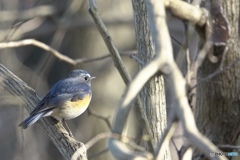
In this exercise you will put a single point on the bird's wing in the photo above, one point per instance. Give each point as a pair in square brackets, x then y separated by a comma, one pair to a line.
[50, 102]
[59, 96]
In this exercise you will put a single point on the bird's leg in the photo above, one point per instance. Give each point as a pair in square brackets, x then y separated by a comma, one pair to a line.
[67, 128]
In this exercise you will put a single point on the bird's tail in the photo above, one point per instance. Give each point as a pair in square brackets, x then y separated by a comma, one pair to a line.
[31, 120]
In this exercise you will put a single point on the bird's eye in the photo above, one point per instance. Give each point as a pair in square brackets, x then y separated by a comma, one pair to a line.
[86, 78]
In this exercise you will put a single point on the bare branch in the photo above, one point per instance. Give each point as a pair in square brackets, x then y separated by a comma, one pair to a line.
[187, 11]
[220, 70]
[108, 41]
[182, 112]
[201, 56]
[57, 54]
[166, 139]
[182, 109]
[120, 149]
[40, 45]
[122, 53]
[102, 136]
[68, 24]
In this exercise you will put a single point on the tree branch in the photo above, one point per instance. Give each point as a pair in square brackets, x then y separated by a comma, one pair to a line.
[56, 132]
[187, 11]
[101, 136]
[60, 56]
[166, 139]
[108, 41]
[179, 99]
[120, 150]
[100, 116]
[40, 45]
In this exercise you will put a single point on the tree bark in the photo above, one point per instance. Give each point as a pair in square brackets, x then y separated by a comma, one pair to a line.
[153, 94]
[217, 105]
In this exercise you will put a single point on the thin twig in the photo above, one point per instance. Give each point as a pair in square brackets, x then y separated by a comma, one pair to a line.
[40, 45]
[201, 56]
[100, 116]
[217, 72]
[188, 76]
[122, 53]
[175, 39]
[57, 54]
[135, 57]
[126, 139]
[68, 24]
[99, 137]
[176, 148]
[197, 63]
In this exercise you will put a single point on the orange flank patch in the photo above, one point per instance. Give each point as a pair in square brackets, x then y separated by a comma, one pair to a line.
[71, 109]
[82, 103]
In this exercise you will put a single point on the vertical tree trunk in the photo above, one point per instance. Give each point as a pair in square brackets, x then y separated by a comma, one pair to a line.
[153, 94]
[218, 108]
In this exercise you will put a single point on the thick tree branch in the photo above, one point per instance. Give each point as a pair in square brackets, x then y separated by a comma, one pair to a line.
[187, 11]
[56, 132]
[165, 62]
[182, 109]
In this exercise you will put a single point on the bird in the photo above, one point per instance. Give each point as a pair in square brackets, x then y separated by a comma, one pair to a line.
[67, 99]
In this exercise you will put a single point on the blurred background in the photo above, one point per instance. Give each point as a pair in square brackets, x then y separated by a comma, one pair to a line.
[67, 27]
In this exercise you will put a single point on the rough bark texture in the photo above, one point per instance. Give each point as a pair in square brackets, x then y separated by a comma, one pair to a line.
[153, 95]
[27, 96]
[217, 110]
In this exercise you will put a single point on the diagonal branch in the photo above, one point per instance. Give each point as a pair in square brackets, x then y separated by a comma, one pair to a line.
[56, 132]
[108, 41]
[122, 113]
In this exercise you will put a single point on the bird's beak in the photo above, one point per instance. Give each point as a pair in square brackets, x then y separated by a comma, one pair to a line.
[92, 78]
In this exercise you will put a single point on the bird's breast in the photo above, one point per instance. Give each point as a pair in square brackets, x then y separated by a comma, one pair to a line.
[72, 109]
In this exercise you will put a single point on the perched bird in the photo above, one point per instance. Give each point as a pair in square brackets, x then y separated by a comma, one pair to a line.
[67, 99]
